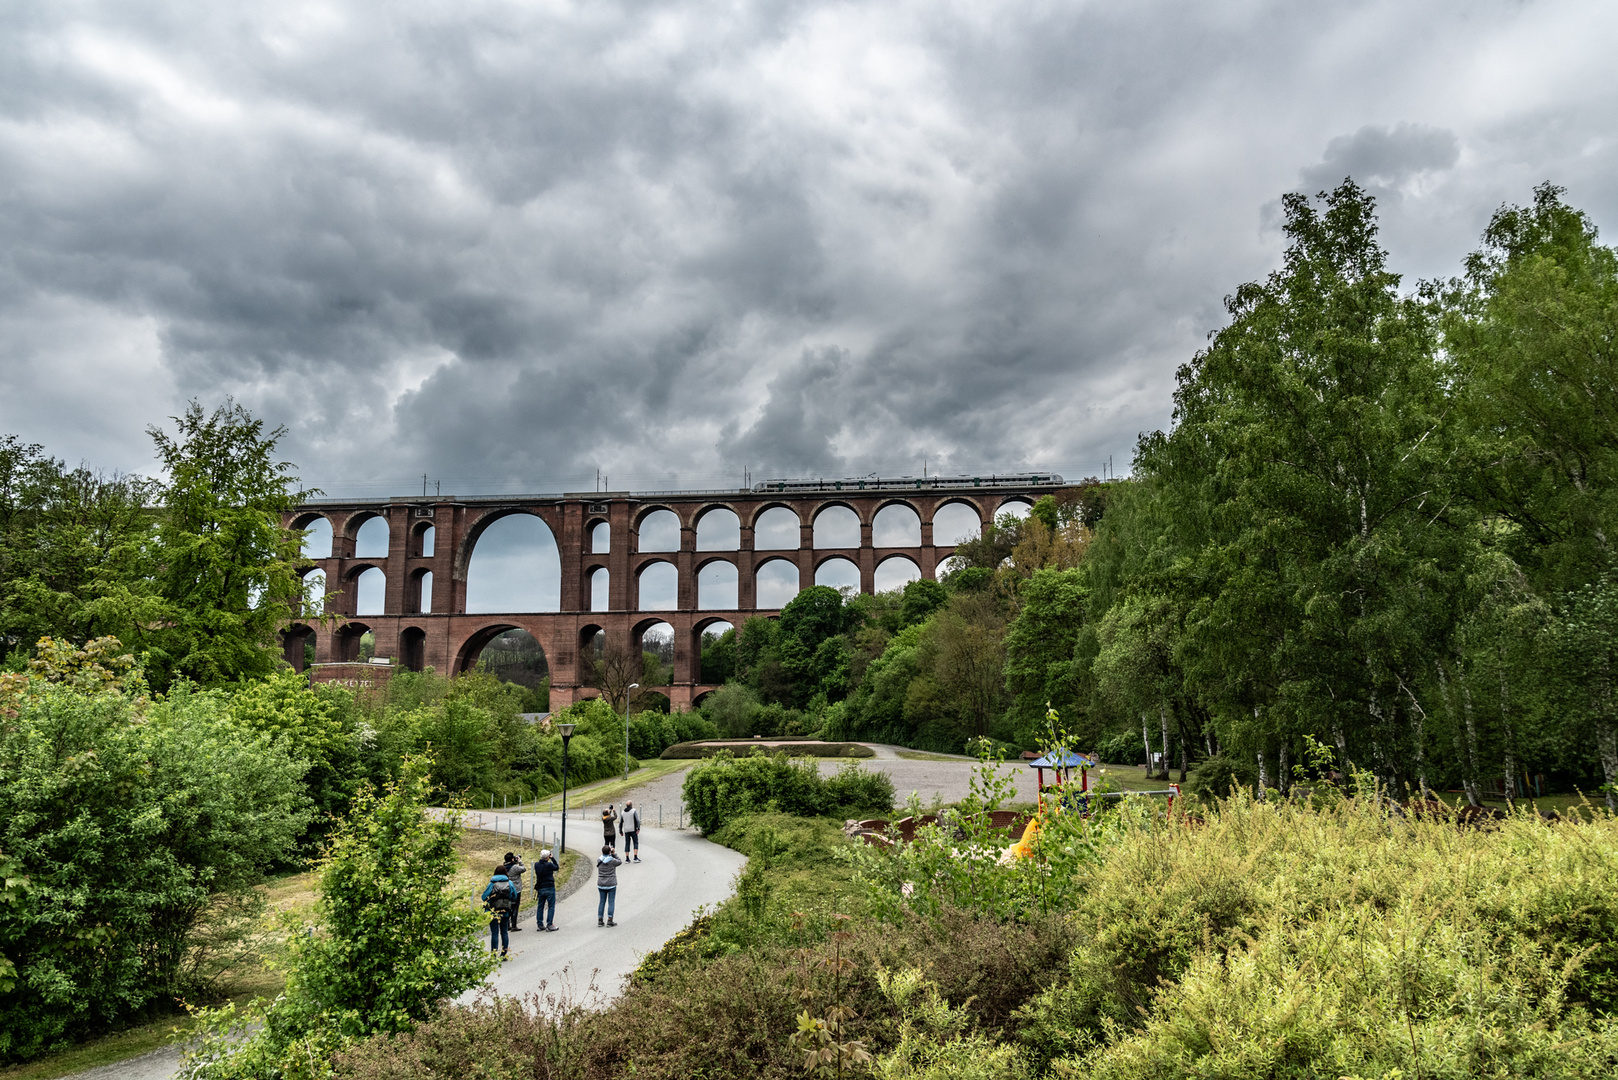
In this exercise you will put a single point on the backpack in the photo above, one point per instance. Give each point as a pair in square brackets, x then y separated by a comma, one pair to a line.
[501, 899]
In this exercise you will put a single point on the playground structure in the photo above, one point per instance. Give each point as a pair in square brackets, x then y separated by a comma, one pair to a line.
[1065, 793]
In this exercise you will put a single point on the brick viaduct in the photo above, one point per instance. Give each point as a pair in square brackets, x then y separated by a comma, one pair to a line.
[436, 535]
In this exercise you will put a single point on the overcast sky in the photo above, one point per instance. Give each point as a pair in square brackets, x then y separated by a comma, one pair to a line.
[508, 244]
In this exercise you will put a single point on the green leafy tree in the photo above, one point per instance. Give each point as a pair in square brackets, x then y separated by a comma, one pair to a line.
[1041, 646]
[391, 942]
[1534, 328]
[1315, 438]
[229, 569]
[75, 552]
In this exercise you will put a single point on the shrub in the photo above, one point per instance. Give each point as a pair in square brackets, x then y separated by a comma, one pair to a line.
[726, 786]
[392, 942]
[732, 1015]
[127, 818]
[1282, 940]
[695, 750]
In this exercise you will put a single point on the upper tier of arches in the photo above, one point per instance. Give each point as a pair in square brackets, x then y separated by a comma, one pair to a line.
[716, 555]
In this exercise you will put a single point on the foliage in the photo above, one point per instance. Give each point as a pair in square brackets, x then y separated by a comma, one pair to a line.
[75, 548]
[128, 818]
[392, 941]
[936, 1040]
[725, 787]
[959, 861]
[1283, 939]
[692, 751]
[229, 569]
[651, 734]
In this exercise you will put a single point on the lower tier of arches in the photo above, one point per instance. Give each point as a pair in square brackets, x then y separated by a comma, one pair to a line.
[356, 650]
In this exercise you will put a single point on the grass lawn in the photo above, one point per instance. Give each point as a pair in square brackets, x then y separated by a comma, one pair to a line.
[293, 895]
[923, 755]
[602, 791]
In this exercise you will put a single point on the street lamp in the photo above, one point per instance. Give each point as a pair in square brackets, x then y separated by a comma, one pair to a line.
[627, 699]
[566, 731]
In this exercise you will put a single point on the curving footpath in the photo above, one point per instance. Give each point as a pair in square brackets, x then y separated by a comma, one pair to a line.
[678, 874]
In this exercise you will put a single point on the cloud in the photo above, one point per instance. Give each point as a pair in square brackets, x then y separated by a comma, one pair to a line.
[511, 244]
[1387, 158]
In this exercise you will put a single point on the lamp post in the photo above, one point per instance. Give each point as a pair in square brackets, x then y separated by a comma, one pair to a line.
[628, 697]
[566, 731]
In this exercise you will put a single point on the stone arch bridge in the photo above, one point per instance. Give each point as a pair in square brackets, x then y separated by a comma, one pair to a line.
[424, 620]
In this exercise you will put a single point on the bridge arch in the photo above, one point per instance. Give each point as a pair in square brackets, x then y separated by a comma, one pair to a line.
[657, 530]
[839, 572]
[511, 563]
[413, 648]
[719, 528]
[718, 585]
[775, 582]
[895, 524]
[294, 641]
[1016, 505]
[657, 586]
[419, 596]
[836, 525]
[956, 520]
[599, 531]
[347, 643]
[777, 527]
[367, 589]
[473, 644]
[368, 535]
[423, 539]
[895, 572]
[318, 544]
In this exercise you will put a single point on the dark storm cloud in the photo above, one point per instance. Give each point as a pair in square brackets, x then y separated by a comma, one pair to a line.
[509, 244]
[1386, 157]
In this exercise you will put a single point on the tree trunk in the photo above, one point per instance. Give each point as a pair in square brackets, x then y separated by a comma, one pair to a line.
[1146, 737]
[1465, 754]
[1607, 747]
[1263, 776]
[1283, 778]
[1506, 728]
[1163, 716]
[1418, 724]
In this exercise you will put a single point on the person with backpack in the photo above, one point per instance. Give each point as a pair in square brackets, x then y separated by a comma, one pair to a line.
[609, 827]
[500, 901]
[545, 890]
[515, 869]
[607, 883]
[629, 825]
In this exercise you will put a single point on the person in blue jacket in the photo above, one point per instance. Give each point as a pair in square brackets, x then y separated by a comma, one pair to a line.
[500, 901]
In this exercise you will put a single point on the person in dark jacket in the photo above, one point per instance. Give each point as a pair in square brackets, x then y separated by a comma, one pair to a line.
[545, 889]
[515, 869]
[607, 882]
[500, 901]
[609, 827]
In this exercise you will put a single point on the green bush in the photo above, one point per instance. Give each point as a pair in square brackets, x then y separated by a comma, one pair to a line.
[726, 786]
[652, 733]
[391, 943]
[691, 751]
[1282, 940]
[127, 818]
